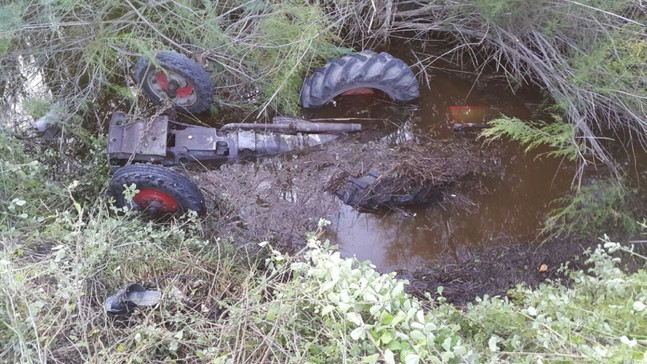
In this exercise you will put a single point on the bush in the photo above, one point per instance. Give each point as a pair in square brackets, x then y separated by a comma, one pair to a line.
[603, 207]
[84, 50]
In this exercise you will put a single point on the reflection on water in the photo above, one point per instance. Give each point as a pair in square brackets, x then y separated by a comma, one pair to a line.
[512, 208]
[12, 111]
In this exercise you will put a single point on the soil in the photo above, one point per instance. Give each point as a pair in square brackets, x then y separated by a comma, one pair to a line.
[493, 271]
[280, 199]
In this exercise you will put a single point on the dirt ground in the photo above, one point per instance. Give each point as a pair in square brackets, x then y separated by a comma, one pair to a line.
[279, 199]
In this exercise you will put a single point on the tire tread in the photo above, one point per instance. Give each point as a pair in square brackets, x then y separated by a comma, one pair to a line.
[368, 69]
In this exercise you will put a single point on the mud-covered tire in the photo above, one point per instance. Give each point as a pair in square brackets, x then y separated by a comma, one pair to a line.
[182, 69]
[363, 70]
[163, 192]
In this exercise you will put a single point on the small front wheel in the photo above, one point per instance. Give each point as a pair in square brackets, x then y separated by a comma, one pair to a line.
[162, 192]
[176, 77]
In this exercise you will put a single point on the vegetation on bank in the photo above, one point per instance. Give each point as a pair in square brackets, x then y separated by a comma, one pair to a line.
[62, 257]
[64, 251]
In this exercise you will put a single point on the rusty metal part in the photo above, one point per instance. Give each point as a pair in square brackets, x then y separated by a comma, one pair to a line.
[161, 140]
[292, 125]
[145, 142]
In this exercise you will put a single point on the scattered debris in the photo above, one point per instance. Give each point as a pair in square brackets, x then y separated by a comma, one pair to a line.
[48, 126]
[131, 297]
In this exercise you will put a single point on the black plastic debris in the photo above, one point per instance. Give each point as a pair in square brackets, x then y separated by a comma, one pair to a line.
[131, 297]
[375, 190]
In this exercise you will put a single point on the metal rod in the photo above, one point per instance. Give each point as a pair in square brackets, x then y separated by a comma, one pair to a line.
[296, 127]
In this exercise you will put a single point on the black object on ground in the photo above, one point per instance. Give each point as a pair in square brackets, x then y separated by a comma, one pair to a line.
[131, 297]
[375, 190]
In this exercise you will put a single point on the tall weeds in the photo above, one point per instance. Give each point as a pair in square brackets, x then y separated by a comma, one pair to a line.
[86, 48]
[589, 55]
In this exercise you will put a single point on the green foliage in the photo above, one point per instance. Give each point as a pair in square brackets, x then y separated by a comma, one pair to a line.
[600, 317]
[87, 48]
[615, 67]
[332, 309]
[10, 20]
[294, 37]
[23, 188]
[37, 107]
[603, 207]
[335, 309]
[558, 135]
[508, 13]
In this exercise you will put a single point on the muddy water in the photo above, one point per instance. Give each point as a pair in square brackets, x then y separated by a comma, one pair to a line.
[508, 207]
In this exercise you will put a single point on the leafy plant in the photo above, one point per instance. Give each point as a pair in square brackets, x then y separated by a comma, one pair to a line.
[558, 135]
[593, 210]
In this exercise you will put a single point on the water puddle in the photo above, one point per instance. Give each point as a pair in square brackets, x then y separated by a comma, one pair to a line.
[512, 207]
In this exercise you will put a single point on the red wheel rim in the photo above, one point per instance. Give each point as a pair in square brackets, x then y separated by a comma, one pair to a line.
[161, 201]
[359, 91]
[162, 80]
[159, 83]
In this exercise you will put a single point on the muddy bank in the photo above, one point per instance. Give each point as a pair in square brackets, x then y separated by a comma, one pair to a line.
[497, 269]
[279, 199]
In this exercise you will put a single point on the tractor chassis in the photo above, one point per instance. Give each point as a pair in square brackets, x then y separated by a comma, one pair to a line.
[161, 140]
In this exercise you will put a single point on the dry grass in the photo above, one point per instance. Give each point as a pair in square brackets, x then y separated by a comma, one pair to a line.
[588, 55]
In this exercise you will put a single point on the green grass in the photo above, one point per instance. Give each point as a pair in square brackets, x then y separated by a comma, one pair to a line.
[594, 210]
[224, 304]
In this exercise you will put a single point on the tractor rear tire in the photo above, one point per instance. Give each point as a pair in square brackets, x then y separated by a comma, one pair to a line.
[365, 70]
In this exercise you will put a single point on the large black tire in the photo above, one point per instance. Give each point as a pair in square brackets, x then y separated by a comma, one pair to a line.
[195, 89]
[163, 192]
[360, 71]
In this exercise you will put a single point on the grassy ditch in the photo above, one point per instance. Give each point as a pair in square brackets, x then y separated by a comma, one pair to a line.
[62, 257]
[64, 251]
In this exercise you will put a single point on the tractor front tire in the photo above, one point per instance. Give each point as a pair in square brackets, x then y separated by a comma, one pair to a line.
[162, 191]
[176, 77]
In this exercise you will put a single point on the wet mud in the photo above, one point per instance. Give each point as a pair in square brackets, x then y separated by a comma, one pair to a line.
[279, 199]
